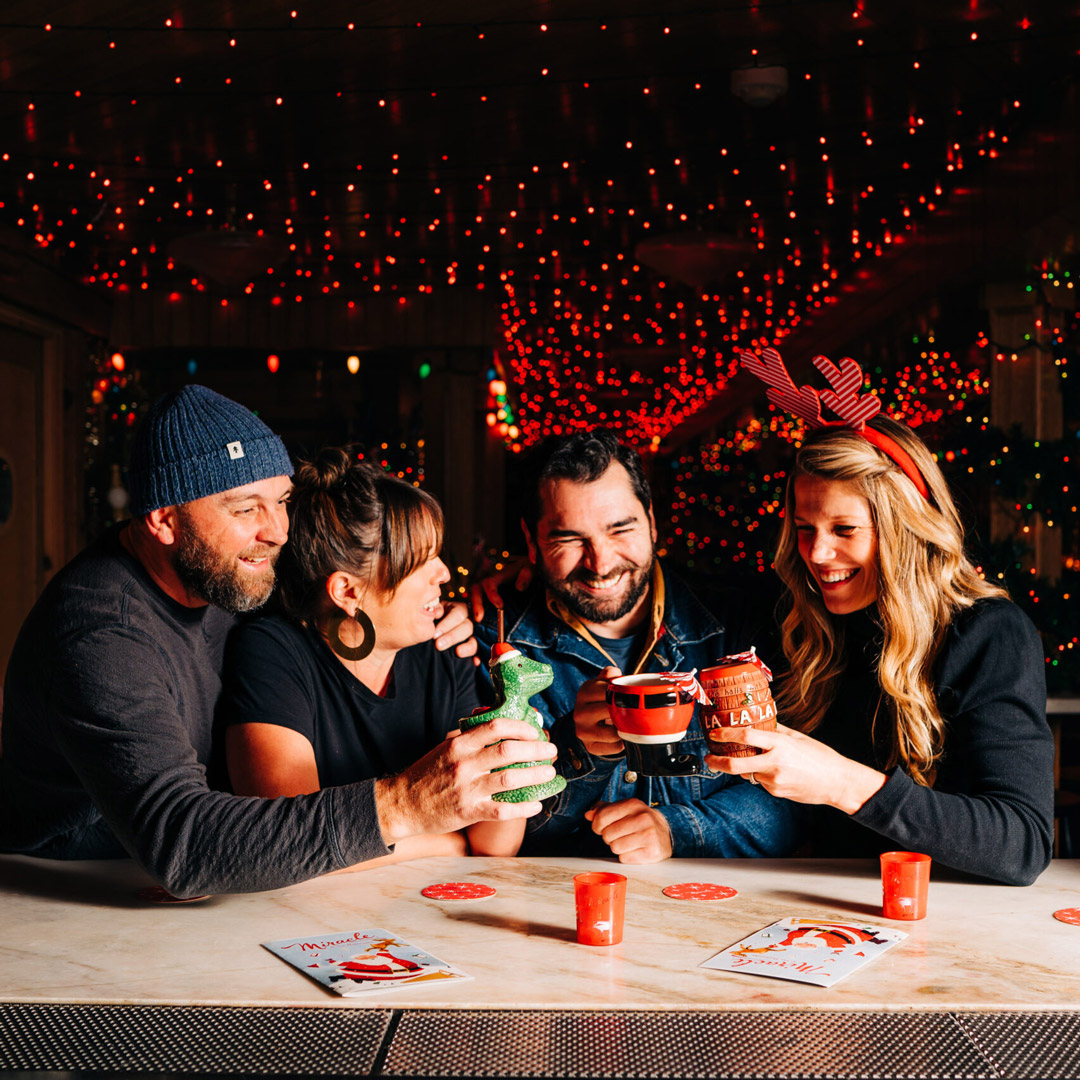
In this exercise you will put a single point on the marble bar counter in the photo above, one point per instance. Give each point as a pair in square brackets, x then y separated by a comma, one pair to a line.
[79, 936]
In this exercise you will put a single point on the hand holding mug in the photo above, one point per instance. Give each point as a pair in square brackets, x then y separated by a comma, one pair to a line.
[592, 721]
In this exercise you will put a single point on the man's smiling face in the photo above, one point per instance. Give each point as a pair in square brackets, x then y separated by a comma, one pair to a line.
[594, 548]
[227, 544]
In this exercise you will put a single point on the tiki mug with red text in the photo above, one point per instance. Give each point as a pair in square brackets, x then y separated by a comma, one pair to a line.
[739, 696]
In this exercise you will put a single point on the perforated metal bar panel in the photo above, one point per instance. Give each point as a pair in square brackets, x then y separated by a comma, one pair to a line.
[515, 1045]
[199, 1039]
[1027, 1045]
[680, 1045]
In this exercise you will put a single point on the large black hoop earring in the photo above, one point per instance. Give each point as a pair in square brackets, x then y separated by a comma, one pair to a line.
[350, 652]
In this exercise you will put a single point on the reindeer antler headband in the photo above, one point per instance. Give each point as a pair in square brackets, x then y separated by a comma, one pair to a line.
[843, 399]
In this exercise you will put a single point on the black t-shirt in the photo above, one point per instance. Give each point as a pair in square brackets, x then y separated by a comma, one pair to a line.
[859, 726]
[277, 672]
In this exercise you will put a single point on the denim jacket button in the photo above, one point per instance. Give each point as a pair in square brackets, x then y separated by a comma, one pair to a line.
[631, 776]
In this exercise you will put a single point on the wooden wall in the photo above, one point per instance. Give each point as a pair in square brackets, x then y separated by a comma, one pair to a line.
[50, 326]
[453, 331]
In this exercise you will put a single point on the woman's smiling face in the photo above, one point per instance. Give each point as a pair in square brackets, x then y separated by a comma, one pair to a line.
[408, 615]
[838, 542]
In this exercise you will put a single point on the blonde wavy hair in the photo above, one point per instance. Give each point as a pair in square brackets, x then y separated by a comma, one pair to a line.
[924, 579]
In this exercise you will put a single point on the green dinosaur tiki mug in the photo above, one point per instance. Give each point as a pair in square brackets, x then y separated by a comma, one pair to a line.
[516, 679]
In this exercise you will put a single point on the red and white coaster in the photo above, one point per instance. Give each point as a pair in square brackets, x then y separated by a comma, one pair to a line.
[155, 894]
[458, 890]
[1069, 915]
[700, 890]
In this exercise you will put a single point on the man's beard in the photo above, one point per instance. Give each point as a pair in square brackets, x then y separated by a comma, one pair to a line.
[220, 580]
[596, 610]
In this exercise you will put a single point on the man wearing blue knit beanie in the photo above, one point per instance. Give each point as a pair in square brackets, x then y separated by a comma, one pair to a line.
[113, 682]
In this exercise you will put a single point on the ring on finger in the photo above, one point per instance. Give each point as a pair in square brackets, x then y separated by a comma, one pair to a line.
[751, 777]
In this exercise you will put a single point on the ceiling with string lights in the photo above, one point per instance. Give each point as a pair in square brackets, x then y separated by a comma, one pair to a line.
[637, 188]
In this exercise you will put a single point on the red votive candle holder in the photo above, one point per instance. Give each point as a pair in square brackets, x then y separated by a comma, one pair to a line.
[600, 900]
[905, 876]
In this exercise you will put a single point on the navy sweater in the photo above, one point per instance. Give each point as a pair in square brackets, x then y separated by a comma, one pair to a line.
[108, 712]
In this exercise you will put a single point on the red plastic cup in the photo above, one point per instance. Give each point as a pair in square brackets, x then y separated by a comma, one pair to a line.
[905, 876]
[600, 900]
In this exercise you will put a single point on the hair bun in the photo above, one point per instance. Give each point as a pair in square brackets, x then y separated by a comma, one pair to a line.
[326, 471]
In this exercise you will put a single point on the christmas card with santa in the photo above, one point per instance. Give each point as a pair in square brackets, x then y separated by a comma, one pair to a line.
[817, 951]
[362, 961]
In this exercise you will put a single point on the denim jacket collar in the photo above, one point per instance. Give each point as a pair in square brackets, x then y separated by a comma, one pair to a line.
[685, 622]
[655, 602]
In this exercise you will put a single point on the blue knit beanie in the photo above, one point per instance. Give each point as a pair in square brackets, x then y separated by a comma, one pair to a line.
[193, 443]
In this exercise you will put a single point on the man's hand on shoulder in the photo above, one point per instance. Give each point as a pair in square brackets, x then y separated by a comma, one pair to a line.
[633, 830]
[455, 630]
[592, 722]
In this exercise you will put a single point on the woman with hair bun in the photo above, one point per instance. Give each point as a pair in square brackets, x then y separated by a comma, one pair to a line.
[914, 704]
[348, 684]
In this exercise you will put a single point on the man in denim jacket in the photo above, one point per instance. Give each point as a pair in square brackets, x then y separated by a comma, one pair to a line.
[602, 605]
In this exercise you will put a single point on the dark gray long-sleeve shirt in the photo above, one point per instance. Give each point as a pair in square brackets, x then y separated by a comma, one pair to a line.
[108, 715]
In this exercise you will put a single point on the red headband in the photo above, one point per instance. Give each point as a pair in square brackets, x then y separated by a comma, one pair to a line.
[843, 399]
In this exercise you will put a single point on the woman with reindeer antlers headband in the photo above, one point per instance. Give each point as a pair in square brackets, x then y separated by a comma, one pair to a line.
[914, 705]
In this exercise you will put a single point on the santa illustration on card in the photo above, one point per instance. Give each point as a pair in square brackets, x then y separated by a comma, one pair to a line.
[377, 965]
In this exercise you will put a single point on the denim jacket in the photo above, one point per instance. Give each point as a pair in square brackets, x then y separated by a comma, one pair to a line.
[709, 816]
